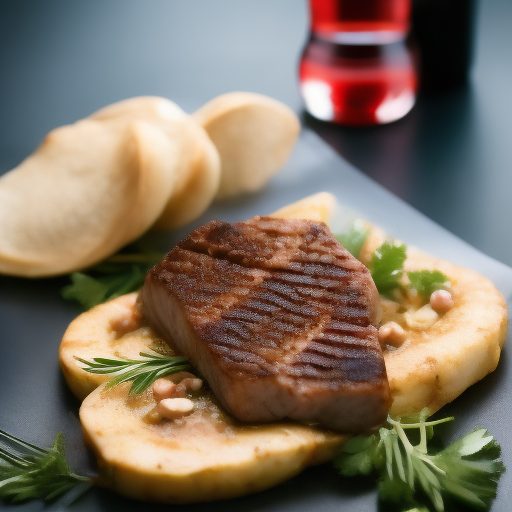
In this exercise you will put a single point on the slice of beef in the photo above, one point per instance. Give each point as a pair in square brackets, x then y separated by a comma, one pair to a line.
[279, 318]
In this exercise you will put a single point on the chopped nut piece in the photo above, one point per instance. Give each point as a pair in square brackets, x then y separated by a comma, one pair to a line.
[187, 385]
[172, 408]
[196, 384]
[163, 388]
[441, 301]
[423, 318]
[171, 387]
[192, 384]
[127, 320]
[391, 333]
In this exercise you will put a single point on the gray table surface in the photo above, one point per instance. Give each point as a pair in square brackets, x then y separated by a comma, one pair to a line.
[449, 159]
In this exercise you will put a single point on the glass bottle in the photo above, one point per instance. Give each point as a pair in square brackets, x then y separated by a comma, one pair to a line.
[356, 68]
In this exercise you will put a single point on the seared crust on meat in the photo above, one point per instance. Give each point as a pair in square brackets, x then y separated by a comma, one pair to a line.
[279, 318]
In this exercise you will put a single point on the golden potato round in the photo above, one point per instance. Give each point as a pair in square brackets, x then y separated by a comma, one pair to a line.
[206, 456]
[435, 365]
[318, 207]
[202, 457]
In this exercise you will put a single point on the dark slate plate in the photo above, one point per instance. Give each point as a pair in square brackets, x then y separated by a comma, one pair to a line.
[35, 403]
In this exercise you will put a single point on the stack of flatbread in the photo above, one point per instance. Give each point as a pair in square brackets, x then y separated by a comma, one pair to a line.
[96, 185]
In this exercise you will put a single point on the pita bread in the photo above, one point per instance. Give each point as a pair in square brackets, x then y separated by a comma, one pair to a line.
[88, 190]
[254, 136]
[196, 174]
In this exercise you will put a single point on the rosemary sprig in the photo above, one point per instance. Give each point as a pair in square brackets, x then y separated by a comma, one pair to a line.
[29, 472]
[142, 372]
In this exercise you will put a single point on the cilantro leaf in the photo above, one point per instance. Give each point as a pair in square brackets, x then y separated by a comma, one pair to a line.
[467, 471]
[354, 238]
[120, 274]
[386, 266]
[426, 282]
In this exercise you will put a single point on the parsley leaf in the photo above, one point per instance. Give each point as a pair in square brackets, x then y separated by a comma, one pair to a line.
[28, 472]
[354, 238]
[427, 282]
[467, 471]
[119, 274]
[359, 455]
[387, 262]
[386, 266]
[472, 469]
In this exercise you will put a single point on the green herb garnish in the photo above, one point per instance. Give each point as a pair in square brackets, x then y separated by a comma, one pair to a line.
[426, 282]
[467, 471]
[386, 266]
[119, 274]
[29, 472]
[141, 372]
[354, 238]
[387, 263]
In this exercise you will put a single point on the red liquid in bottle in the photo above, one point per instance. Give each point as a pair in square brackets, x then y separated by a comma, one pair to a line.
[356, 68]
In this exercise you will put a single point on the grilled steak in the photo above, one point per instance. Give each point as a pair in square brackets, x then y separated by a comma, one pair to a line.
[280, 320]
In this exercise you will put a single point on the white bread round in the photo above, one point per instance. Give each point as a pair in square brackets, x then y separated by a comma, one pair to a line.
[254, 135]
[196, 174]
[88, 190]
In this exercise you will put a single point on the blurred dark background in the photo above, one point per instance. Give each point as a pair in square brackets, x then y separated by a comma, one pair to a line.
[450, 157]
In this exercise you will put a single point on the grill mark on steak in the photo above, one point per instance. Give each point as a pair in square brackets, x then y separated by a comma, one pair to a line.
[278, 317]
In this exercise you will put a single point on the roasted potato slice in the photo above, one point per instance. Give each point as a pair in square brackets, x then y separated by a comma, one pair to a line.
[204, 456]
[254, 135]
[435, 365]
[88, 190]
[318, 207]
